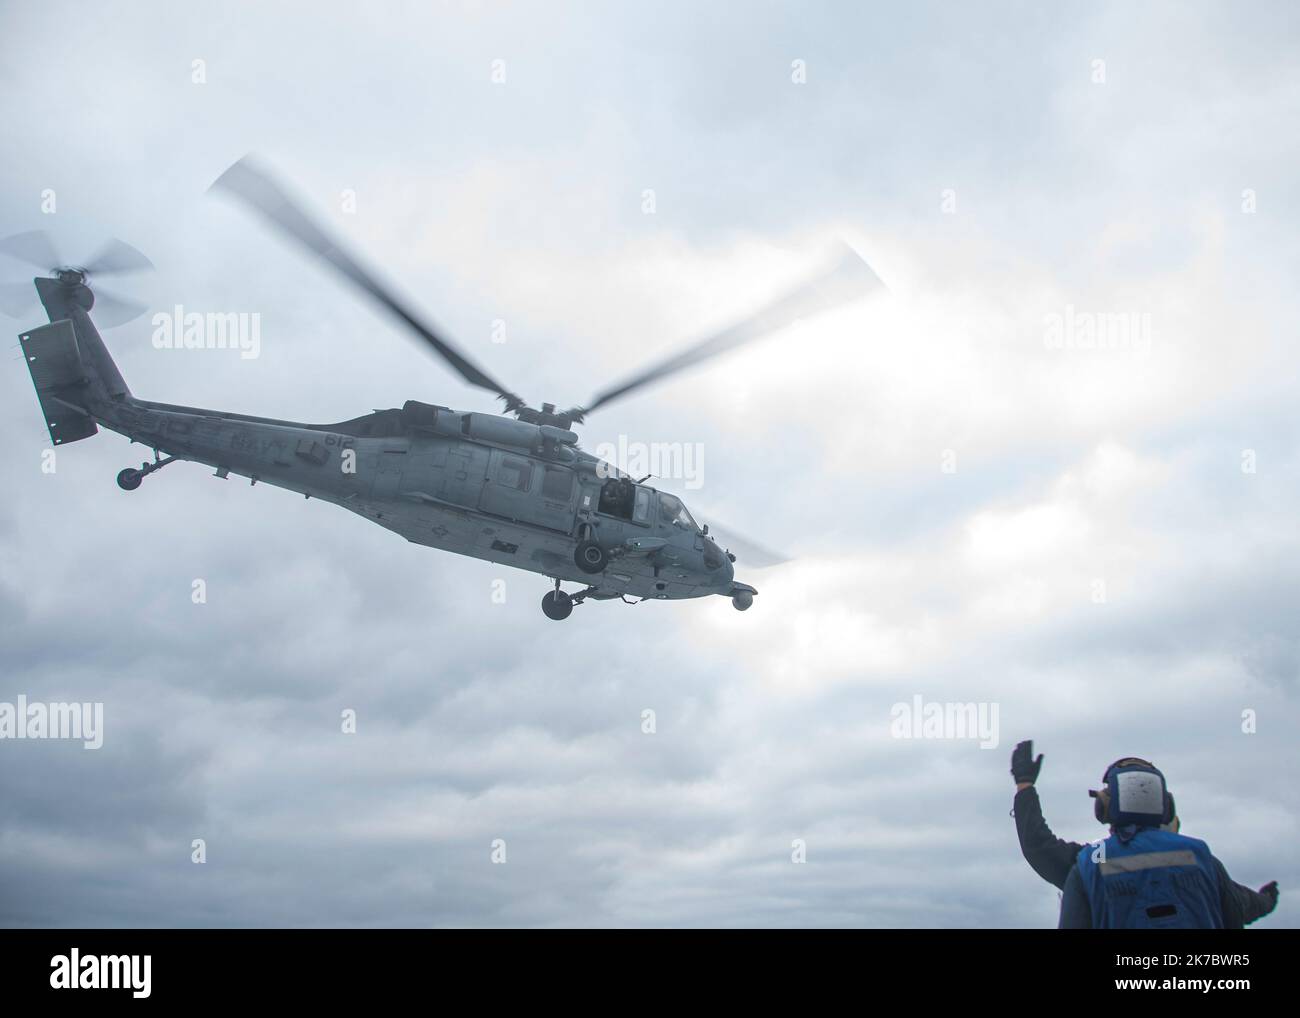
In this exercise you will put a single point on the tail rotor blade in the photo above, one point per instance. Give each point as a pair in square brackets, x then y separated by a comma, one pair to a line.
[111, 310]
[16, 298]
[35, 248]
[117, 256]
[38, 249]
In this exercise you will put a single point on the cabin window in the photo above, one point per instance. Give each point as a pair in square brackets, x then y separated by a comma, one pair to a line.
[515, 474]
[641, 513]
[557, 484]
[616, 496]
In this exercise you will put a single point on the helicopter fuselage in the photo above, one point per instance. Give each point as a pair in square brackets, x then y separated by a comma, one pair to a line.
[468, 483]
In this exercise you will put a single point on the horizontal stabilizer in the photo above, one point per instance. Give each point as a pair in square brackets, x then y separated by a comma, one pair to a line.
[60, 378]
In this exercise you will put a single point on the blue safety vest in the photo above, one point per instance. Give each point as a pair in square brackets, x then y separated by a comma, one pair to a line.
[1155, 880]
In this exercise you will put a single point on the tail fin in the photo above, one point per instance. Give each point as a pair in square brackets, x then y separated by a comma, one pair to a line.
[70, 366]
[62, 301]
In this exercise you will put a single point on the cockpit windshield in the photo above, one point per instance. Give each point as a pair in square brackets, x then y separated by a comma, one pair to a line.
[671, 510]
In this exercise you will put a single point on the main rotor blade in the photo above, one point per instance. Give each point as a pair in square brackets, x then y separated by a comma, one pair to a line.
[747, 552]
[117, 256]
[257, 189]
[35, 248]
[846, 280]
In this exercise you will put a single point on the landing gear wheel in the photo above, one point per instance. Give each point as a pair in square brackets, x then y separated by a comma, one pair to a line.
[590, 557]
[742, 601]
[557, 605]
[130, 478]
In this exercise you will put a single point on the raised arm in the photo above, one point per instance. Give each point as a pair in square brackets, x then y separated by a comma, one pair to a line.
[1051, 857]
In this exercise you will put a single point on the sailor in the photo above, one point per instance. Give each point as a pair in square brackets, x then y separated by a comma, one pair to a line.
[1057, 860]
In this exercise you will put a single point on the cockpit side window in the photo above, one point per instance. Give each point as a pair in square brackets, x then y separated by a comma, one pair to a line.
[671, 510]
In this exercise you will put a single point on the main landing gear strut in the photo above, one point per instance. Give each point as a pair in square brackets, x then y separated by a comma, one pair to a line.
[130, 478]
[558, 605]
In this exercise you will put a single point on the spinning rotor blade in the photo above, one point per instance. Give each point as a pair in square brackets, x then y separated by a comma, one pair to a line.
[111, 310]
[117, 256]
[16, 298]
[251, 185]
[749, 554]
[35, 248]
[848, 279]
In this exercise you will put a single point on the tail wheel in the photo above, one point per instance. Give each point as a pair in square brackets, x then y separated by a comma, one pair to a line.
[590, 557]
[557, 605]
[742, 600]
[129, 479]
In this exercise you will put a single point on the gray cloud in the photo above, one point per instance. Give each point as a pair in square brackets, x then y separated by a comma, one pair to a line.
[479, 721]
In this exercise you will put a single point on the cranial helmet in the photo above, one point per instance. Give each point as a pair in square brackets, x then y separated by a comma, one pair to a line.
[1133, 793]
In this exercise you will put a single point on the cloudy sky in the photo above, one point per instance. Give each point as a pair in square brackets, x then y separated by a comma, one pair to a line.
[1100, 542]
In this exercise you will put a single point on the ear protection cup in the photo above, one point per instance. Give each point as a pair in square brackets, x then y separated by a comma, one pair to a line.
[1101, 805]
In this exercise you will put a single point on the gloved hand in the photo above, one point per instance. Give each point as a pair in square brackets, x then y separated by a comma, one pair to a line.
[1024, 768]
[1270, 892]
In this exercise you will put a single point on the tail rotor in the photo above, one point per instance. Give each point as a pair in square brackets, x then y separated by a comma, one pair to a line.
[37, 248]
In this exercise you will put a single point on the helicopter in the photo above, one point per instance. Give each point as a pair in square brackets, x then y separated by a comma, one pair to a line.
[511, 487]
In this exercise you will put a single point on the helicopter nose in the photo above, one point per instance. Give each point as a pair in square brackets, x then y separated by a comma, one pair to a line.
[726, 573]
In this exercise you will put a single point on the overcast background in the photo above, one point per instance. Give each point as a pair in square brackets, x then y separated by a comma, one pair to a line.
[523, 201]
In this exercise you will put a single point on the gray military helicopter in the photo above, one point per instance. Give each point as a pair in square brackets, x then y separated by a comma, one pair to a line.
[513, 487]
